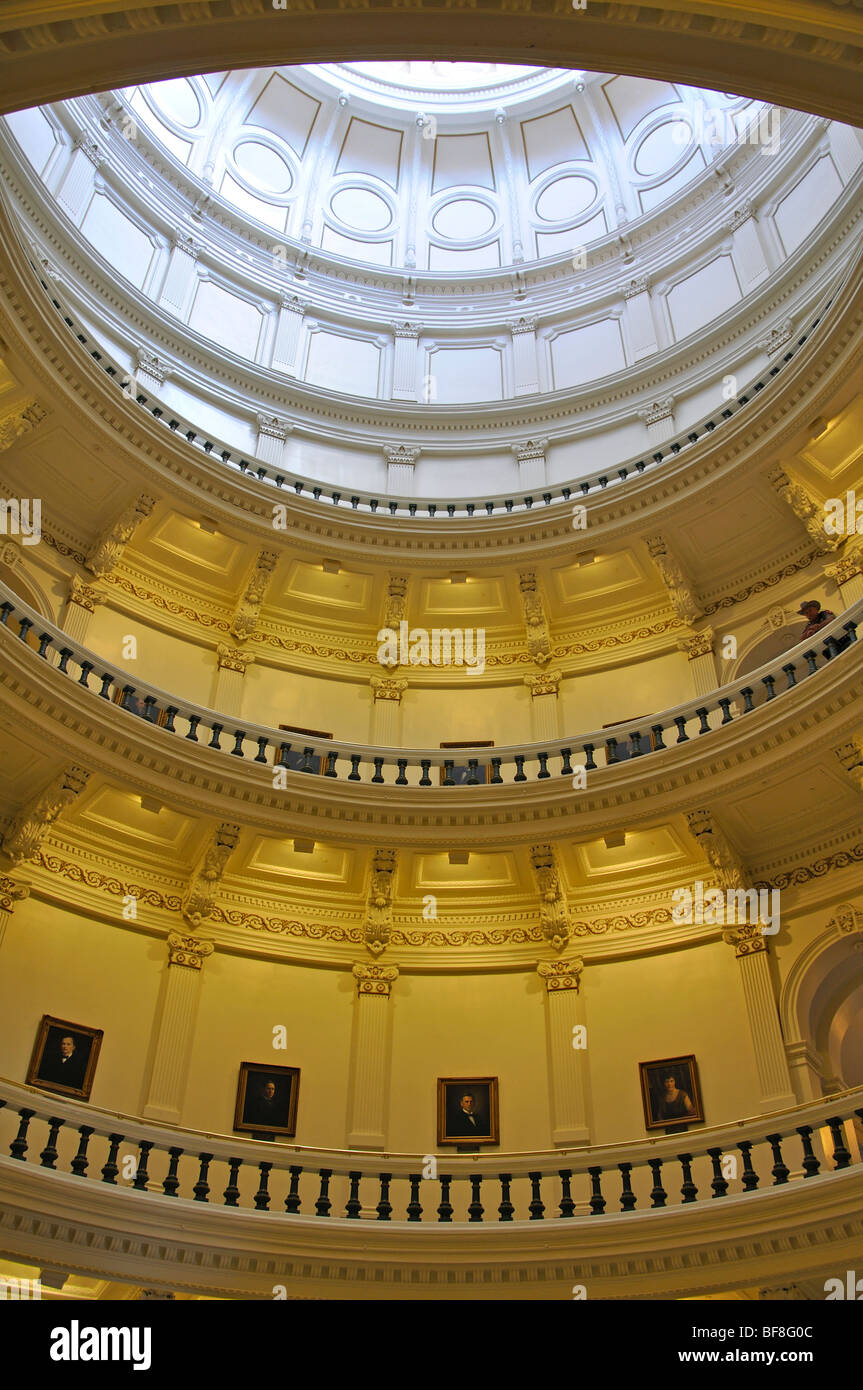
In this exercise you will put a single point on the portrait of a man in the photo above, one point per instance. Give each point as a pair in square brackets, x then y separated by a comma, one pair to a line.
[670, 1093]
[64, 1057]
[468, 1110]
[267, 1100]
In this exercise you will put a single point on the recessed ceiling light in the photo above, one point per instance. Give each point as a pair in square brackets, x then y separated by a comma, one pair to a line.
[330, 567]
[304, 846]
[458, 578]
[149, 803]
[615, 840]
[459, 856]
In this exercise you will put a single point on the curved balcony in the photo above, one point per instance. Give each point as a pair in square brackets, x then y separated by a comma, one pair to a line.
[726, 1195]
[593, 752]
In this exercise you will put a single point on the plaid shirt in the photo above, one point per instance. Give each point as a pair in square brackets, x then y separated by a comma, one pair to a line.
[824, 616]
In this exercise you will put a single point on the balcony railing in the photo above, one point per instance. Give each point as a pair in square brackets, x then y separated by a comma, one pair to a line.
[700, 1165]
[403, 507]
[355, 762]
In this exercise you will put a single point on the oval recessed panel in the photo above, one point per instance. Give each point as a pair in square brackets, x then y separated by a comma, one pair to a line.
[361, 208]
[262, 166]
[463, 219]
[662, 148]
[176, 99]
[565, 198]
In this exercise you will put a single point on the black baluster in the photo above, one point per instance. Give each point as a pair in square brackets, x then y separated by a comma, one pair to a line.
[688, 1191]
[747, 692]
[354, 1206]
[202, 1187]
[597, 1201]
[703, 727]
[657, 731]
[141, 1174]
[65, 653]
[627, 1196]
[750, 1177]
[261, 755]
[18, 1147]
[194, 721]
[171, 713]
[292, 1201]
[811, 660]
[112, 1168]
[447, 773]
[495, 770]
[725, 706]
[635, 744]
[682, 735]
[589, 764]
[44, 643]
[790, 671]
[86, 668]
[282, 759]
[566, 767]
[543, 766]
[384, 1207]
[770, 682]
[658, 1195]
[214, 741]
[841, 1156]
[401, 780]
[537, 1206]
[105, 692]
[262, 1196]
[475, 1209]
[5, 609]
[567, 1205]
[25, 625]
[354, 774]
[239, 738]
[810, 1163]
[719, 1185]
[231, 1193]
[48, 1156]
[779, 1170]
[308, 763]
[611, 752]
[505, 1209]
[444, 1211]
[379, 762]
[323, 1203]
[519, 768]
[172, 1181]
[330, 769]
[414, 1208]
[425, 764]
[80, 1162]
[129, 696]
[472, 779]
[851, 629]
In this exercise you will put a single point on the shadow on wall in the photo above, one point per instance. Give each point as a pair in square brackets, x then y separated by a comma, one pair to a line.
[768, 649]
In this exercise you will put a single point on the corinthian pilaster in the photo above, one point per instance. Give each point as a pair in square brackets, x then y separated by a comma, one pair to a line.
[545, 709]
[702, 662]
[751, 952]
[566, 1035]
[174, 1028]
[80, 608]
[371, 1056]
[387, 692]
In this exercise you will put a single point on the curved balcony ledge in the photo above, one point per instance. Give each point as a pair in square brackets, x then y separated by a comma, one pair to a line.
[717, 737]
[719, 1232]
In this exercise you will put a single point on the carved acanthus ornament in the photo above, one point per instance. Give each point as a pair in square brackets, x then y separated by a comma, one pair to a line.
[395, 608]
[714, 843]
[379, 909]
[406, 330]
[375, 979]
[388, 688]
[401, 454]
[740, 215]
[660, 409]
[847, 920]
[561, 974]
[536, 622]
[635, 287]
[777, 337]
[805, 509]
[200, 897]
[85, 595]
[151, 365]
[681, 594]
[846, 567]
[553, 907]
[25, 833]
[245, 619]
[547, 683]
[12, 893]
[697, 643]
[523, 325]
[232, 659]
[531, 451]
[189, 951]
[748, 939]
[106, 553]
[20, 420]
[273, 427]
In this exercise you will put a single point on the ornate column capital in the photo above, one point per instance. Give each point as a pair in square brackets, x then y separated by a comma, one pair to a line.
[739, 216]
[273, 426]
[399, 453]
[90, 149]
[185, 242]
[388, 688]
[547, 683]
[660, 409]
[232, 659]
[776, 338]
[85, 595]
[697, 644]
[292, 303]
[561, 974]
[524, 324]
[151, 365]
[846, 566]
[20, 420]
[12, 892]
[747, 939]
[637, 286]
[530, 450]
[406, 329]
[375, 979]
[850, 755]
[190, 951]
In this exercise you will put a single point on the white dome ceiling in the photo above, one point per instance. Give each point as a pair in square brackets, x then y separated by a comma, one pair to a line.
[444, 167]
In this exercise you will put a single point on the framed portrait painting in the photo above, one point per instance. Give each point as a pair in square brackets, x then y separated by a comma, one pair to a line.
[467, 1110]
[64, 1057]
[267, 1099]
[670, 1093]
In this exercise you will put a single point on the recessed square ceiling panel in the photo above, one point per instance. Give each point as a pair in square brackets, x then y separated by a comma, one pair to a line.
[840, 448]
[467, 602]
[816, 796]
[179, 543]
[346, 593]
[371, 149]
[51, 462]
[286, 111]
[656, 851]
[608, 574]
[632, 98]
[552, 139]
[433, 873]
[117, 817]
[328, 866]
[462, 161]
